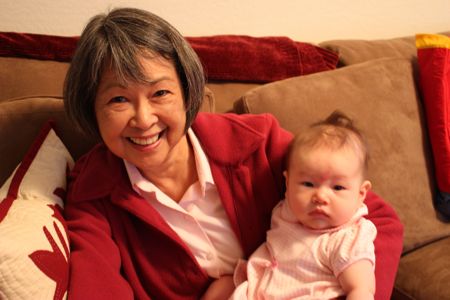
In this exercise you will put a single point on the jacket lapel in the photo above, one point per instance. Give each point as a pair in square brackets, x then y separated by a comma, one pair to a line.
[228, 157]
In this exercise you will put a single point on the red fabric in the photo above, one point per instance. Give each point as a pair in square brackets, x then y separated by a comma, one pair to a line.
[265, 59]
[53, 263]
[434, 65]
[225, 58]
[37, 46]
[121, 247]
[388, 244]
[433, 53]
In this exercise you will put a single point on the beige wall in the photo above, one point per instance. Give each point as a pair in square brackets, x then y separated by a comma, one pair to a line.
[303, 20]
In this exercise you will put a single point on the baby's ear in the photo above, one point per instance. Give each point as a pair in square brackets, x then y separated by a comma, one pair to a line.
[365, 187]
[285, 174]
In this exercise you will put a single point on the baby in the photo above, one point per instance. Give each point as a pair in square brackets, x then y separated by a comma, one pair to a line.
[319, 246]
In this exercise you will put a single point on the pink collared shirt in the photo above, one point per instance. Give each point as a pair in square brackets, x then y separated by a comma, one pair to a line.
[199, 218]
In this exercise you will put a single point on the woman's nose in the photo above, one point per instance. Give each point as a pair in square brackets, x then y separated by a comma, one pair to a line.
[144, 115]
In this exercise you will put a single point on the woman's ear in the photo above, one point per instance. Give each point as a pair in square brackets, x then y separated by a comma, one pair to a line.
[365, 187]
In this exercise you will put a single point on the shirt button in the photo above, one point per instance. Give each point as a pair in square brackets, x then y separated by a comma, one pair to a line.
[209, 256]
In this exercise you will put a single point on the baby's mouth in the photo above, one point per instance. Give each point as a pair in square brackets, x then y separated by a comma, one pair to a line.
[318, 212]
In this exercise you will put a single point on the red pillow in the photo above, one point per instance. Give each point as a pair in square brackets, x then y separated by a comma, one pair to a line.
[433, 53]
[224, 57]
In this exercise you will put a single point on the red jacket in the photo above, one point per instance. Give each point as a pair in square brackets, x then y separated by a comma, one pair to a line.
[121, 248]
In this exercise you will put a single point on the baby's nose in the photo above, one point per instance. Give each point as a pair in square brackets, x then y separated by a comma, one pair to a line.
[320, 196]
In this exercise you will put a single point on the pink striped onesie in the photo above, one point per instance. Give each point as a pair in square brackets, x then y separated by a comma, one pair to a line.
[301, 263]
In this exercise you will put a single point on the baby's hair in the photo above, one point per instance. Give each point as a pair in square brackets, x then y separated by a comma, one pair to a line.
[336, 131]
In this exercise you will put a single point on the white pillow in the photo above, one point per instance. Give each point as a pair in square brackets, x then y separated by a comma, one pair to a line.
[34, 248]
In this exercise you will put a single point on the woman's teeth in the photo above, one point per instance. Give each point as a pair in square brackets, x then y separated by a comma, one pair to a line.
[146, 141]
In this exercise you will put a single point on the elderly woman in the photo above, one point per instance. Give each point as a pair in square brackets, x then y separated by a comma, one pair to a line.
[171, 198]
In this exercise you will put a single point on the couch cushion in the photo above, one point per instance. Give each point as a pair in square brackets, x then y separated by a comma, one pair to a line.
[356, 51]
[21, 77]
[380, 96]
[34, 246]
[226, 93]
[434, 69]
[425, 273]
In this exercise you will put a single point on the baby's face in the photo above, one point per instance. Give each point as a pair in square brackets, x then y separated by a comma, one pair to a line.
[325, 187]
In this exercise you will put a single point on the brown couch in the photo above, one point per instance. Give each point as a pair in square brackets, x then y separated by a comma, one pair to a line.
[375, 83]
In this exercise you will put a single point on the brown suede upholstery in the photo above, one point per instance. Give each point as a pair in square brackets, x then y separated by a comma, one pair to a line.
[357, 51]
[29, 77]
[425, 272]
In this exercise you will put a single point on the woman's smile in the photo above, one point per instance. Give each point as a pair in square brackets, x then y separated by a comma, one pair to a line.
[146, 141]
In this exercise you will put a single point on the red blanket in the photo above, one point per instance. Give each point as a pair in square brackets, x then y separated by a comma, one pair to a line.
[225, 57]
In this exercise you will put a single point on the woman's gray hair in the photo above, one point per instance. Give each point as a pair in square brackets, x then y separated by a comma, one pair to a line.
[116, 40]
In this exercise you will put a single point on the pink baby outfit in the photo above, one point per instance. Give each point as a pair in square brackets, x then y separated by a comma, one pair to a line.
[301, 263]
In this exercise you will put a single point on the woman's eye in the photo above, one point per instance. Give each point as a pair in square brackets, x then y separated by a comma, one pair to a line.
[307, 184]
[338, 188]
[161, 93]
[119, 99]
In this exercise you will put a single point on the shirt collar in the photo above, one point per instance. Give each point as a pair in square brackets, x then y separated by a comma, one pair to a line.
[204, 174]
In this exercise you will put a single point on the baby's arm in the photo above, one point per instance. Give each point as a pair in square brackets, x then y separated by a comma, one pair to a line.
[358, 280]
[221, 288]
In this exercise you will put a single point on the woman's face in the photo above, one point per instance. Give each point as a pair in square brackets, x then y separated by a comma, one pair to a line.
[143, 123]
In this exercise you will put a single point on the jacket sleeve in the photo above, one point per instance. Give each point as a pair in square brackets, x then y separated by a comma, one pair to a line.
[94, 259]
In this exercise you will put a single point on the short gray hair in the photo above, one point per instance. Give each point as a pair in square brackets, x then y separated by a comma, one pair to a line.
[115, 40]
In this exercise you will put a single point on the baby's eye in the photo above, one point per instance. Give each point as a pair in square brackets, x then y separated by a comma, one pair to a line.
[307, 184]
[118, 99]
[338, 188]
[161, 93]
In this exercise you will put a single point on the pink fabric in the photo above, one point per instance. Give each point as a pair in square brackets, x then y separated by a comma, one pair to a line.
[296, 262]
[225, 57]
